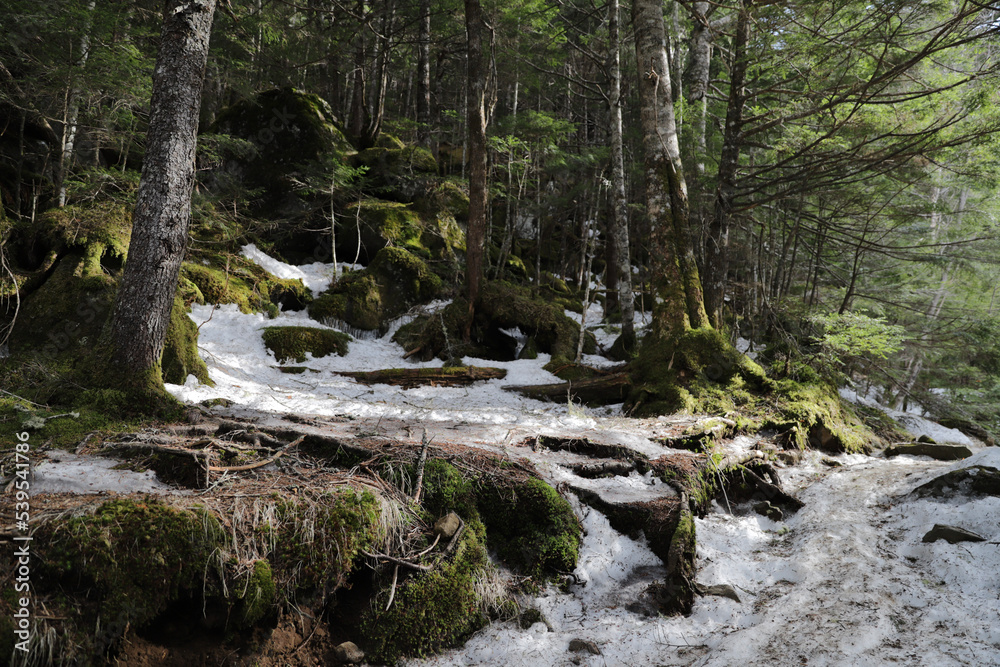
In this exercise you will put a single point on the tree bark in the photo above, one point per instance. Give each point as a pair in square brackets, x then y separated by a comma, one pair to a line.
[676, 283]
[717, 244]
[424, 75]
[619, 229]
[476, 86]
[163, 206]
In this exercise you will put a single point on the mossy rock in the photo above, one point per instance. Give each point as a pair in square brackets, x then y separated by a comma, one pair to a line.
[814, 415]
[103, 224]
[432, 611]
[530, 526]
[395, 281]
[355, 301]
[180, 353]
[295, 342]
[125, 563]
[444, 197]
[221, 279]
[289, 128]
[67, 313]
[502, 305]
[382, 223]
[386, 164]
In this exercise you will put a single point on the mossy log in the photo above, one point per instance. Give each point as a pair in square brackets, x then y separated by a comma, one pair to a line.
[594, 392]
[460, 376]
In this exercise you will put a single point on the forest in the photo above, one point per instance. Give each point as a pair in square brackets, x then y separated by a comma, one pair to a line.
[738, 213]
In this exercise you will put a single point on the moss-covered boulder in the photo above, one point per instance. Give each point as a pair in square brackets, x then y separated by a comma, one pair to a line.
[295, 342]
[444, 197]
[109, 566]
[290, 129]
[395, 281]
[375, 224]
[436, 610]
[230, 278]
[502, 306]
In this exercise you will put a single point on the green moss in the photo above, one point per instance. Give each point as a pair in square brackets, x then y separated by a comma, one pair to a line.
[355, 300]
[231, 278]
[257, 593]
[383, 223]
[435, 610]
[317, 543]
[133, 558]
[531, 527]
[98, 227]
[66, 314]
[289, 129]
[384, 164]
[296, 342]
[393, 282]
[180, 352]
[696, 372]
[444, 198]
[814, 415]
[679, 588]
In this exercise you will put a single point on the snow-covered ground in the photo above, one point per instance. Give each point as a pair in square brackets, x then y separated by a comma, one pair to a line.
[845, 581]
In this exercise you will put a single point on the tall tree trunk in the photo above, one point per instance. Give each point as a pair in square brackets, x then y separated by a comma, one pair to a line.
[676, 283]
[717, 244]
[163, 206]
[424, 75]
[71, 124]
[358, 120]
[476, 106]
[619, 230]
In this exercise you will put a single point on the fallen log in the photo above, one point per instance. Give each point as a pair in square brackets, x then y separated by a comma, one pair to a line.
[458, 376]
[594, 392]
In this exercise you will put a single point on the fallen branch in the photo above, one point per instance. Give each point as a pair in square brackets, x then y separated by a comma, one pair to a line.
[421, 462]
[422, 377]
[594, 392]
[257, 464]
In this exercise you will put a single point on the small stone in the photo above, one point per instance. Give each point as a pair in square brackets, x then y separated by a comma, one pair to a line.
[770, 511]
[348, 653]
[951, 534]
[447, 525]
[831, 463]
[582, 645]
[789, 456]
[928, 439]
[719, 590]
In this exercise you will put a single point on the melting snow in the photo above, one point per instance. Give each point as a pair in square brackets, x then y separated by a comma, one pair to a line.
[845, 581]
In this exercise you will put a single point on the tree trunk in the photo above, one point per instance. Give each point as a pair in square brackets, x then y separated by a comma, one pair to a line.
[619, 229]
[676, 283]
[163, 206]
[424, 75]
[476, 86]
[71, 124]
[717, 244]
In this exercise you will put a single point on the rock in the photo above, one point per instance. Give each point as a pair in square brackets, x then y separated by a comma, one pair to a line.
[927, 439]
[584, 646]
[952, 534]
[447, 525]
[718, 590]
[348, 653]
[770, 511]
[938, 452]
[831, 463]
[531, 616]
[789, 456]
[971, 481]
